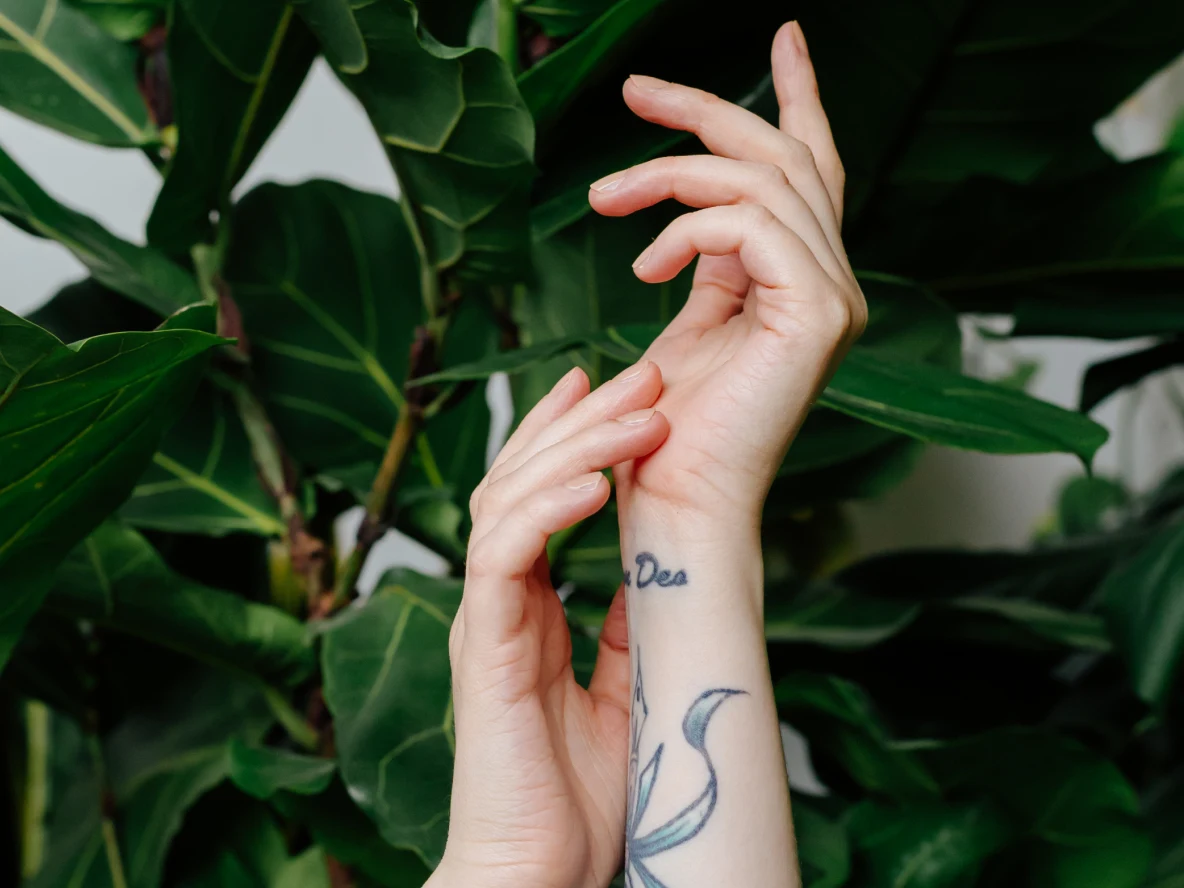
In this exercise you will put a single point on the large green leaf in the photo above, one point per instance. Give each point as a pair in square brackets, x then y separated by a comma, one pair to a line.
[920, 400]
[77, 426]
[838, 720]
[458, 135]
[824, 853]
[563, 18]
[203, 479]
[160, 762]
[264, 771]
[116, 579]
[944, 407]
[125, 20]
[328, 284]
[1141, 596]
[1072, 247]
[835, 617]
[61, 69]
[141, 273]
[926, 845]
[1077, 805]
[334, 24]
[550, 85]
[387, 683]
[235, 69]
[342, 830]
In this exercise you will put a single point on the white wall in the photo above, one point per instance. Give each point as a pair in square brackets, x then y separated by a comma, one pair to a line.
[954, 498]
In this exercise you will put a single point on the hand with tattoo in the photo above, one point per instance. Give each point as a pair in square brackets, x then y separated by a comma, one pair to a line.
[774, 304]
[539, 788]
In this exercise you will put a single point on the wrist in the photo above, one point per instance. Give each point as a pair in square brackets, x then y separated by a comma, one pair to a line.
[718, 529]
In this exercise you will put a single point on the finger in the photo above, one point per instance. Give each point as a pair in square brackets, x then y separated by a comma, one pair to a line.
[802, 114]
[495, 596]
[706, 181]
[634, 388]
[610, 678]
[567, 392]
[590, 450]
[793, 289]
[731, 131]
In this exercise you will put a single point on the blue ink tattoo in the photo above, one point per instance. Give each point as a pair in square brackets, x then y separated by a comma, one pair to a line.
[656, 575]
[689, 822]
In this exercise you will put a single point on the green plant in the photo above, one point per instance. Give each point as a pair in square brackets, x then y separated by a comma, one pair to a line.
[187, 700]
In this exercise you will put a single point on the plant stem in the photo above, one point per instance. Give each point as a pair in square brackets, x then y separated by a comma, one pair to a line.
[36, 794]
[507, 34]
[379, 502]
[290, 720]
[106, 806]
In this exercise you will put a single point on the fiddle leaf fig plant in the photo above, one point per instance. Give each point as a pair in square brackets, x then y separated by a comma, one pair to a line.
[197, 690]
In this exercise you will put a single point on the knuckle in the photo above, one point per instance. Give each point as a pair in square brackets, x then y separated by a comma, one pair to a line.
[484, 559]
[758, 216]
[475, 500]
[773, 176]
[798, 154]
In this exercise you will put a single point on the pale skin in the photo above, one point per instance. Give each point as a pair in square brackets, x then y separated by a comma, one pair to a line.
[694, 433]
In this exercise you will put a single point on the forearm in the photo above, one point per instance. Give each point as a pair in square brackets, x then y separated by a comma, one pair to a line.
[714, 803]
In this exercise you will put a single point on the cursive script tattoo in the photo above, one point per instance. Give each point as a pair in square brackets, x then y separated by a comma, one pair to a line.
[689, 822]
[650, 573]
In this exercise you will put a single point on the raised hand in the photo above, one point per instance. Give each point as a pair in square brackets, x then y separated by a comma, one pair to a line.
[774, 305]
[539, 788]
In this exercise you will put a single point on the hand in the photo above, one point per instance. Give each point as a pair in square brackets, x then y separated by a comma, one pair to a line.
[774, 305]
[538, 797]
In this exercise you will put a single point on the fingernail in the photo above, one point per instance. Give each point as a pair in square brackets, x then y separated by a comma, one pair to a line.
[608, 183]
[631, 373]
[649, 84]
[637, 417]
[643, 258]
[585, 482]
[566, 380]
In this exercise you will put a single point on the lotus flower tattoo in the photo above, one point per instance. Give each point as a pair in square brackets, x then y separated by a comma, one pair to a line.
[685, 825]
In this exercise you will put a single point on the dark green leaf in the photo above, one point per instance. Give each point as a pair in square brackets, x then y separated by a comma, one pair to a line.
[506, 362]
[1141, 598]
[919, 400]
[1107, 377]
[234, 70]
[140, 273]
[562, 18]
[463, 157]
[549, 86]
[203, 479]
[1110, 235]
[834, 617]
[944, 407]
[388, 686]
[824, 852]
[328, 284]
[926, 845]
[77, 426]
[837, 718]
[1078, 630]
[262, 771]
[61, 69]
[86, 308]
[159, 762]
[116, 579]
[345, 832]
[334, 24]
[1094, 312]
[1076, 803]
